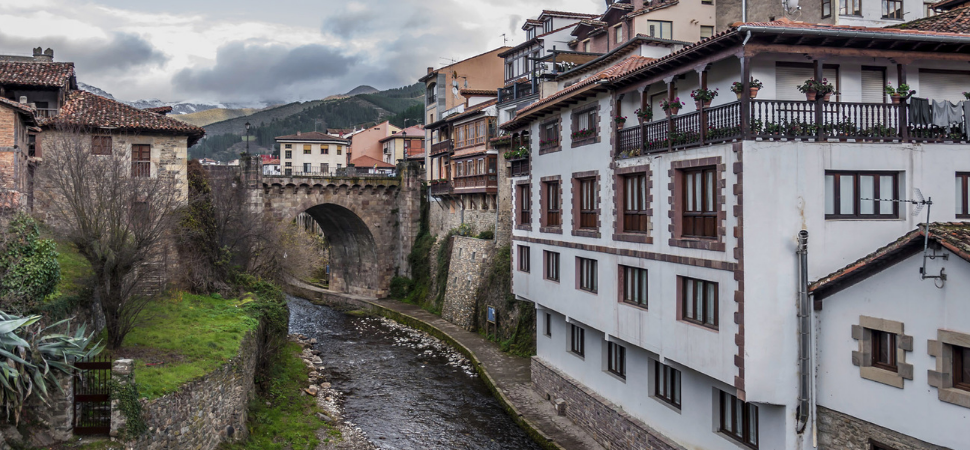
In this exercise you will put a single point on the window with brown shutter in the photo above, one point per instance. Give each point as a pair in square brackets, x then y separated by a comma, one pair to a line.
[635, 203]
[100, 145]
[587, 203]
[141, 160]
[525, 204]
[700, 204]
[553, 205]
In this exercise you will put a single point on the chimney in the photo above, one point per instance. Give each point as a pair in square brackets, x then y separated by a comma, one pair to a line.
[43, 56]
[298, 133]
[39, 51]
[430, 69]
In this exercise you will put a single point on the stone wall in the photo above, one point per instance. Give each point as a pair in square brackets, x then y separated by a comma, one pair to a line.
[202, 413]
[607, 423]
[838, 431]
[470, 258]
[46, 424]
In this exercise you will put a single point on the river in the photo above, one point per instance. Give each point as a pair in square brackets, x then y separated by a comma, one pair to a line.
[403, 389]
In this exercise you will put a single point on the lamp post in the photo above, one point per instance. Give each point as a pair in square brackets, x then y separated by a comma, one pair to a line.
[247, 137]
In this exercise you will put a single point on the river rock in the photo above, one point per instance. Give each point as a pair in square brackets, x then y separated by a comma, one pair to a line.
[312, 390]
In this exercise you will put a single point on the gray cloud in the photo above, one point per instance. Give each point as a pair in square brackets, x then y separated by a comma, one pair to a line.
[120, 53]
[256, 71]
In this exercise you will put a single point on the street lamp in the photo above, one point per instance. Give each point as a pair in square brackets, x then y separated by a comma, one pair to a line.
[247, 137]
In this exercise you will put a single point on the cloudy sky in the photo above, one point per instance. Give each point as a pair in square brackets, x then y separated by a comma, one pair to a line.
[268, 50]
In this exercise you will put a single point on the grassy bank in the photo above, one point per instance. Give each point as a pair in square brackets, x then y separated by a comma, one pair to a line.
[281, 417]
[181, 337]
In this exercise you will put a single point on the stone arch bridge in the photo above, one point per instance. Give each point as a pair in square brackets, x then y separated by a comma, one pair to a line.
[370, 222]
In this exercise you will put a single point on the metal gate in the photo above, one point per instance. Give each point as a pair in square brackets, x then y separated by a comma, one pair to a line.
[92, 399]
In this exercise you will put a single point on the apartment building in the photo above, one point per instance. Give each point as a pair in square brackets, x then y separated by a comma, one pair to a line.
[367, 142]
[402, 145]
[866, 13]
[661, 252]
[677, 20]
[312, 153]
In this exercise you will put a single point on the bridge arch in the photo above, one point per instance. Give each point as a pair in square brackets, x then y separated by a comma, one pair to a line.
[355, 265]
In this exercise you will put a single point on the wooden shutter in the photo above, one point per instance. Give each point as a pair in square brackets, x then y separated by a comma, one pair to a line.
[873, 85]
[943, 85]
[788, 79]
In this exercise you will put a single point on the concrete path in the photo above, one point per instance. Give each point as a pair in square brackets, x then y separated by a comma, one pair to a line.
[510, 375]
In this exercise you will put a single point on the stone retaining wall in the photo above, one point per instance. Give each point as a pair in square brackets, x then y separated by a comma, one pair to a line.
[607, 423]
[470, 258]
[202, 413]
[842, 431]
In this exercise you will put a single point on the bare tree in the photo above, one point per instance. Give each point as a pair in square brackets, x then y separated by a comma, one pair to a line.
[117, 213]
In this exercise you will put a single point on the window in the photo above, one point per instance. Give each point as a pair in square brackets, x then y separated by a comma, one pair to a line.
[618, 32]
[288, 146]
[892, 9]
[707, 31]
[584, 122]
[307, 148]
[707, 2]
[873, 445]
[883, 350]
[616, 359]
[853, 195]
[587, 274]
[873, 84]
[548, 325]
[530, 33]
[700, 206]
[961, 367]
[635, 203]
[141, 160]
[587, 203]
[324, 168]
[550, 135]
[288, 154]
[551, 260]
[850, 7]
[634, 285]
[340, 150]
[523, 258]
[547, 26]
[100, 145]
[324, 149]
[307, 167]
[666, 384]
[963, 194]
[826, 8]
[739, 420]
[660, 29]
[289, 164]
[699, 302]
[577, 341]
[553, 204]
[928, 10]
[586, 46]
[525, 204]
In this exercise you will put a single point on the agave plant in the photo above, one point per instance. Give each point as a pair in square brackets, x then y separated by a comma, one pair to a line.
[30, 353]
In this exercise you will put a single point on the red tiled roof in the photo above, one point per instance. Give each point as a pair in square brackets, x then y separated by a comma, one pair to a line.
[89, 110]
[41, 74]
[947, 5]
[27, 110]
[618, 70]
[953, 21]
[954, 236]
[367, 161]
[478, 92]
[567, 14]
[310, 136]
[163, 110]
[416, 156]
[655, 7]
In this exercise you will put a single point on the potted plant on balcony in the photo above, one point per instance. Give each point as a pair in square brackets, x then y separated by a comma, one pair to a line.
[703, 97]
[825, 88]
[892, 94]
[809, 88]
[754, 86]
[904, 91]
[672, 107]
[644, 115]
[582, 134]
[620, 120]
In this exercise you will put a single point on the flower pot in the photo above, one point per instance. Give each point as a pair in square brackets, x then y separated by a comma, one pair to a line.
[810, 96]
[642, 120]
[738, 94]
[698, 103]
[754, 92]
[673, 110]
[895, 98]
[827, 96]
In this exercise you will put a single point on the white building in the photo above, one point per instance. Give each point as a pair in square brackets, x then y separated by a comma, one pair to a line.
[312, 153]
[662, 257]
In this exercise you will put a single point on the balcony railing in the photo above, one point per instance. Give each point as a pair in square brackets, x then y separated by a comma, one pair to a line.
[344, 172]
[45, 113]
[441, 188]
[476, 181]
[520, 167]
[783, 120]
[441, 147]
[516, 91]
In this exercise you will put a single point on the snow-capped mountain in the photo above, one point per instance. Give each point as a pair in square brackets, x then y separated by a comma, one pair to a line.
[177, 107]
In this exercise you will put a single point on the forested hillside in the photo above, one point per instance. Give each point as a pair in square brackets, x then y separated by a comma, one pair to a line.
[358, 111]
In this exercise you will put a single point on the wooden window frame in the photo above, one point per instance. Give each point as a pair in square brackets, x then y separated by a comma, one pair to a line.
[587, 274]
[587, 203]
[553, 198]
[889, 13]
[101, 145]
[856, 204]
[826, 4]
[551, 267]
[524, 202]
[324, 149]
[877, 344]
[635, 210]
[616, 359]
[963, 183]
[667, 380]
[743, 435]
[700, 303]
[689, 213]
[577, 340]
[550, 131]
[618, 34]
[628, 277]
[592, 113]
[524, 256]
[856, 7]
[959, 366]
[141, 160]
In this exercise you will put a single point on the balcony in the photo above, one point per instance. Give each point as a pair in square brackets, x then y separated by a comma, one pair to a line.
[520, 167]
[442, 147]
[440, 188]
[45, 113]
[516, 91]
[476, 184]
[781, 120]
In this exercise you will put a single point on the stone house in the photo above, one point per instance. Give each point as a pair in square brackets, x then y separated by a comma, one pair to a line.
[17, 133]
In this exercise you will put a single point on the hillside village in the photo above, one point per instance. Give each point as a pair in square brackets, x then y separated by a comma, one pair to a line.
[625, 255]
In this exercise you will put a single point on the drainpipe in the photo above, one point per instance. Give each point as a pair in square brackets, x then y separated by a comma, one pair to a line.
[804, 334]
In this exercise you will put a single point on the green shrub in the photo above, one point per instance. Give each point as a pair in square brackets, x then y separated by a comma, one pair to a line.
[487, 234]
[29, 271]
[401, 287]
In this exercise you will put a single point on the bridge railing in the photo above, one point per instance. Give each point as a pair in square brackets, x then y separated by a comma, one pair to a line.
[340, 173]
